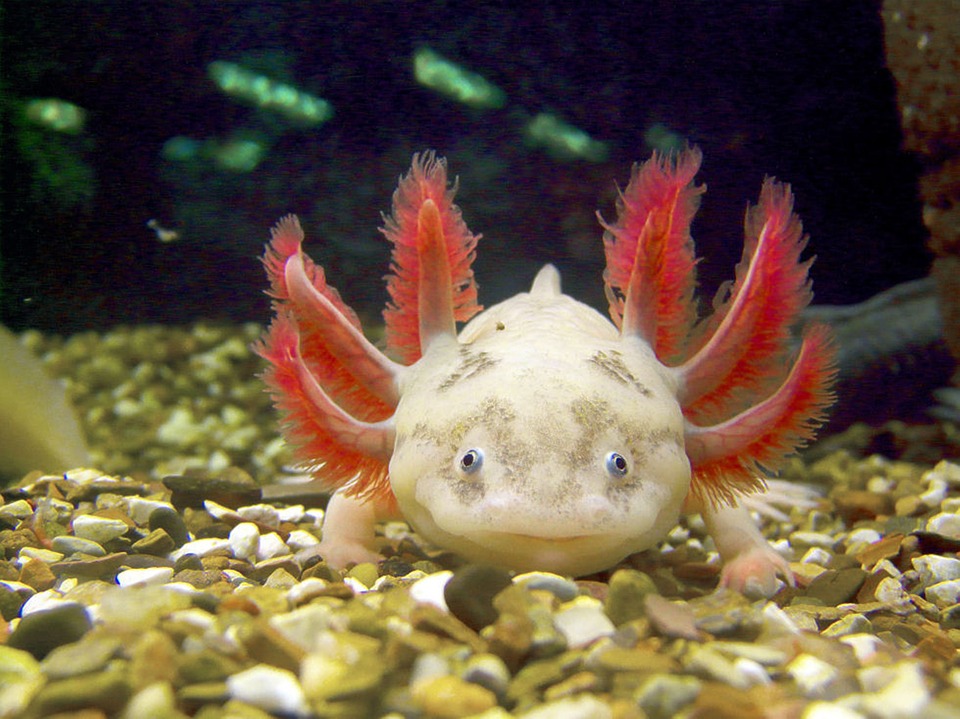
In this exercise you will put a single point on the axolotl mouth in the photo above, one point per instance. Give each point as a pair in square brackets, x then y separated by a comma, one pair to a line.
[574, 554]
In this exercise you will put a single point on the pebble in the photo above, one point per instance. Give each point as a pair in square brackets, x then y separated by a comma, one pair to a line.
[945, 523]
[812, 675]
[170, 521]
[201, 548]
[142, 577]
[583, 621]
[933, 568]
[99, 529]
[41, 632]
[666, 695]
[562, 588]
[47, 556]
[430, 589]
[837, 587]
[271, 546]
[19, 509]
[158, 543]
[850, 624]
[470, 590]
[894, 692]
[944, 594]
[626, 593]
[68, 544]
[450, 697]
[244, 540]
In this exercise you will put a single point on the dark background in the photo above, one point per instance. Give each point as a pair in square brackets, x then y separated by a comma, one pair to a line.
[795, 89]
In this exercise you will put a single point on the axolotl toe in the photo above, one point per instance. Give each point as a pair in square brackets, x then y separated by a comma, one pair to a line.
[544, 435]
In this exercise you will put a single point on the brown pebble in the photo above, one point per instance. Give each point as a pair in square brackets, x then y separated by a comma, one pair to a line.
[264, 569]
[268, 645]
[855, 505]
[199, 578]
[885, 548]
[157, 543]
[837, 587]
[90, 567]
[35, 573]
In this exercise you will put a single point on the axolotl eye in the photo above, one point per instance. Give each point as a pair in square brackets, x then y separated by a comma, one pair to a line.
[471, 461]
[616, 465]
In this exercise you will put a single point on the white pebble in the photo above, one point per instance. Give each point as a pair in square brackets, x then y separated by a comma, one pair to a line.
[202, 547]
[244, 540]
[584, 706]
[811, 674]
[752, 672]
[308, 626]
[140, 509]
[933, 568]
[582, 621]
[146, 576]
[829, 710]
[218, 511]
[863, 534]
[263, 513]
[356, 586]
[300, 539]
[274, 690]
[947, 524]
[865, 646]
[47, 556]
[294, 513]
[943, 594]
[812, 539]
[895, 691]
[98, 529]
[306, 589]
[429, 590]
[816, 555]
[891, 591]
[42, 601]
[945, 470]
[271, 546]
[935, 493]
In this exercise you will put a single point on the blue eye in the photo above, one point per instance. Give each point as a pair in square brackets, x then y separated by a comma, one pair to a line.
[616, 465]
[471, 461]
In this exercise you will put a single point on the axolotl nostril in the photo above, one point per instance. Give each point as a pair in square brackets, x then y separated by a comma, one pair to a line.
[544, 435]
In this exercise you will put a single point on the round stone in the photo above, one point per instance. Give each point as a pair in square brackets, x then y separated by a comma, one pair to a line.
[169, 520]
[41, 632]
[469, 593]
[68, 545]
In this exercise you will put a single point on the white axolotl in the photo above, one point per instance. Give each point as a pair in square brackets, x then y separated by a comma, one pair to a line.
[544, 436]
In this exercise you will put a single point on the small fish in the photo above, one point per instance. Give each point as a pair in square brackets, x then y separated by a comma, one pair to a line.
[544, 435]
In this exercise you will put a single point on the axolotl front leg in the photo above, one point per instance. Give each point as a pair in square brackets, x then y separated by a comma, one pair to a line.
[750, 564]
[349, 529]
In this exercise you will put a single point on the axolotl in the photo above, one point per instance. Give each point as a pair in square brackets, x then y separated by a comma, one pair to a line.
[544, 435]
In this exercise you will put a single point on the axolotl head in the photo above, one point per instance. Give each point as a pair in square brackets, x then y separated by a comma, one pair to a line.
[564, 460]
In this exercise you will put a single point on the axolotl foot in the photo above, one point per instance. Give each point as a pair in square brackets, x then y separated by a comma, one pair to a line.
[348, 532]
[751, 565]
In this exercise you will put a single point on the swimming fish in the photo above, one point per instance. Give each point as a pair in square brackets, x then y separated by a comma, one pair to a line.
[544, 435]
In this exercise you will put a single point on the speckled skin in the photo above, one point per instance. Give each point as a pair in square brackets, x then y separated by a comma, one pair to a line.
[546, 389]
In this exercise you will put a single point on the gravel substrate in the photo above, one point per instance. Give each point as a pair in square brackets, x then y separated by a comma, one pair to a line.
[174, 584]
